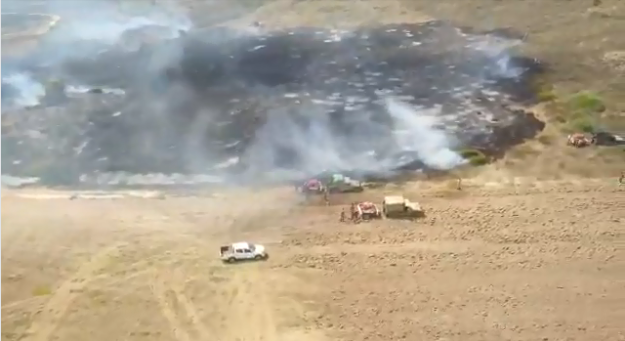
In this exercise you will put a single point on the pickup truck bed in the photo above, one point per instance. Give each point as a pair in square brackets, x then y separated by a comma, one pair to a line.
[224, 249]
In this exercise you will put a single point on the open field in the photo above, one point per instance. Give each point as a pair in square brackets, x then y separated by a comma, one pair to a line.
[540, 261]
[506, 258]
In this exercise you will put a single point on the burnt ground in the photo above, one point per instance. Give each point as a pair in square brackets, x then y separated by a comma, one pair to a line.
[579, 40]
[596, 68]
[583, 47]
[17, 23]
[506, 258]
[302, 99]
[574, 37]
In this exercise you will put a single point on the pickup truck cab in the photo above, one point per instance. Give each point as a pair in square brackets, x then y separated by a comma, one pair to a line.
[242, 251]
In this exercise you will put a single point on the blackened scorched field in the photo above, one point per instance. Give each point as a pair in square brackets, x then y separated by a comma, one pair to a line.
[262, 105]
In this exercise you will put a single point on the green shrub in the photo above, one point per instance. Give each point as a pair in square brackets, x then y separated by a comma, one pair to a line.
[581, 124]
[474, 156]
[580, 110]
[585, 103]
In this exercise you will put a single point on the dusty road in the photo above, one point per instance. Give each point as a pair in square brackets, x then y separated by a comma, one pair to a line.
[530, 262]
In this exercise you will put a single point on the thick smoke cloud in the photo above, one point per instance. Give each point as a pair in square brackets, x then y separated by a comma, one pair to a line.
[224, 105]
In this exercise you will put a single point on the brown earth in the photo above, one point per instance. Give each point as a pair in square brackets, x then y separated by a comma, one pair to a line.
[505, 258]
[496, 261]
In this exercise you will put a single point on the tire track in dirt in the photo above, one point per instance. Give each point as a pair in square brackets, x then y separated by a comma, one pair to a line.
[251, 317]
[190, 308]
[160, 290]
[101, 281]
[179, 311]
[15, 240]
[49, 318]
[107, 282]
[373, 248]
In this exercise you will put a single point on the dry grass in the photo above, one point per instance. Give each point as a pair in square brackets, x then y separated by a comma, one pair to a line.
[42, 291]
[140, 268]
[474, 156]
[572, 42]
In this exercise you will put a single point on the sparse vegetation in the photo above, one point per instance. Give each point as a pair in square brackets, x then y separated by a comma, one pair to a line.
[581, 110]
[546, 96]
[544, 91]
[523, 151]
[545, 139]
[577, 113]
[474, 156]
[586, 102]
[42, 291]
[581, 124]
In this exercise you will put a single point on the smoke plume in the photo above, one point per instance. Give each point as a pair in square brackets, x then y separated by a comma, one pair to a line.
[149, 94]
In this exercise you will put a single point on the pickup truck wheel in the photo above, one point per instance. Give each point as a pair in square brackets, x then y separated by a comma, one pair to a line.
[231, 260]
[258, 257]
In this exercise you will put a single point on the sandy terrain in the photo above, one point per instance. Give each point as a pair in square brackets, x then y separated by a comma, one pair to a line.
[517, 261]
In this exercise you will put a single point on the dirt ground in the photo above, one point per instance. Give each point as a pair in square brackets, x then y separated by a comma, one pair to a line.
[505, 258]
[522, 260]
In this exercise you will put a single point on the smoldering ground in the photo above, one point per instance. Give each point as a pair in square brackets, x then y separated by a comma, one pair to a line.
[283, 105]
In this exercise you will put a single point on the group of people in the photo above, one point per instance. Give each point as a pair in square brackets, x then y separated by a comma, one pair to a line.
[353, 213]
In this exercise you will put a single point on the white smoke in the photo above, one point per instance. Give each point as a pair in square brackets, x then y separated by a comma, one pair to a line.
[86, 28]
[314, 143]
[417, 131]
[498, 50]
[109, 27]
[28, 91]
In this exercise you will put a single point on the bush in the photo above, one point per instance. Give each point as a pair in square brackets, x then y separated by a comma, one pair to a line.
[585, 103]
[582, 124]
[474, 156]
[581, 109]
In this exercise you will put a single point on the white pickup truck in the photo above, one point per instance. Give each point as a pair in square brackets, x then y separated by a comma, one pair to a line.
[242, 251]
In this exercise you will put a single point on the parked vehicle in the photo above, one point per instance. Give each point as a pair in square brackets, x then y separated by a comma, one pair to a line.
[242, 251]
[399, 207]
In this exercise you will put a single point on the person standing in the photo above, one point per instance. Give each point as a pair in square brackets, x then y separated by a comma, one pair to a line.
[326, 196]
